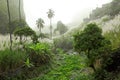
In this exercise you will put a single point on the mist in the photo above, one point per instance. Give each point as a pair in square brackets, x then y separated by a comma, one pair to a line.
[68, 11]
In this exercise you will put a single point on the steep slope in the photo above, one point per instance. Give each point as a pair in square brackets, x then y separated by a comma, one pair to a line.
[14, 11]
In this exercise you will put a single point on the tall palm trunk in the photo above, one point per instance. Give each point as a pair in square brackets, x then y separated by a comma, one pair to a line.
[50, 15]
[40, 33]
[51, 28]
[20, 18]
[9, 19]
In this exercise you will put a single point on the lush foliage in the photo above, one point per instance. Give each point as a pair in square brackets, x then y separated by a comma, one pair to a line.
[26, 31]
[91, 42]
[67, 67]
[34, 38]
[17, 24]
[58, 61]
[11, 60]
[110, 67]
[39, 53]
[21, 64]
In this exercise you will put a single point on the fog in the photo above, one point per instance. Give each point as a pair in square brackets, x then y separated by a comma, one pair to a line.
[68, 11]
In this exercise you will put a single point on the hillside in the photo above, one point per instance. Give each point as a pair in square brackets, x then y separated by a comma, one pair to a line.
[111, 9]
[14, 11]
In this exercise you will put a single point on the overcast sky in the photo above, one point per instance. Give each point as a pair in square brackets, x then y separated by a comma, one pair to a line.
[65, 10]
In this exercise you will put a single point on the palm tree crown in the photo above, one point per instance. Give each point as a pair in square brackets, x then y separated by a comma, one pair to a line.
[40, 23]
[50, 13]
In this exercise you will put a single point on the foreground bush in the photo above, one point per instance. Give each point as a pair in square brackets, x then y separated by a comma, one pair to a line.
[39, 53]
[110, 67]
[11, 60]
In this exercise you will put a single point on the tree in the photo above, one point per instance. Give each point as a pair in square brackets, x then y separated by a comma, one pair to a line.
[50, 16]
[61, 27]
[40, 24]
[20, 19]
[17, 24]
[9, 23]
[25, 31]
[91, 42]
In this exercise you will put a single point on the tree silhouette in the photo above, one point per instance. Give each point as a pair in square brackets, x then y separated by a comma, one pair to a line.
[61, 27]
[50, 16]
[20, 17]
[40, 24]
[9, 23]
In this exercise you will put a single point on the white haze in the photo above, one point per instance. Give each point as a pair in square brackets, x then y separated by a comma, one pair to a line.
[68, 11]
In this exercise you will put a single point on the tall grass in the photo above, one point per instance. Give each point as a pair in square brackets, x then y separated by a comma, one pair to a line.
[10, 60]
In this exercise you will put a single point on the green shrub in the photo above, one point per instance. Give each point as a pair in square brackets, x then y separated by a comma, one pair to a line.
[102, 74]
[34, 38]
[92, 43]
[10, 60]
[110, 66]
[39, 53]
[25, 31]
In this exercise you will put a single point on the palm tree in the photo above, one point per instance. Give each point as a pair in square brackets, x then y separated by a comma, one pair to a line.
[40, 24]
[50, 15]
[9, 19]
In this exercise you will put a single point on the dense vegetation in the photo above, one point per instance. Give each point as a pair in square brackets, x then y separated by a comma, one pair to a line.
[89, 52]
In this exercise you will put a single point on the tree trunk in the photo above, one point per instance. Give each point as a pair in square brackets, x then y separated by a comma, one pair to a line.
[50, 28]
[93, 67]
[19, 10]
[40, 33]
[9, 19]
[20, 18]
[92, 64]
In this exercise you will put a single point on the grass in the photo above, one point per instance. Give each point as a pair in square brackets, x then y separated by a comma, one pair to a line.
[11, 59]
[11, 63]
[66, 67]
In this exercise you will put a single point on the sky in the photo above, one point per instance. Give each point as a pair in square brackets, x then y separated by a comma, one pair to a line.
[67, 11]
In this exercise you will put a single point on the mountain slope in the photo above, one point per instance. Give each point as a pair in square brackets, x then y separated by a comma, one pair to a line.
[14, 11]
